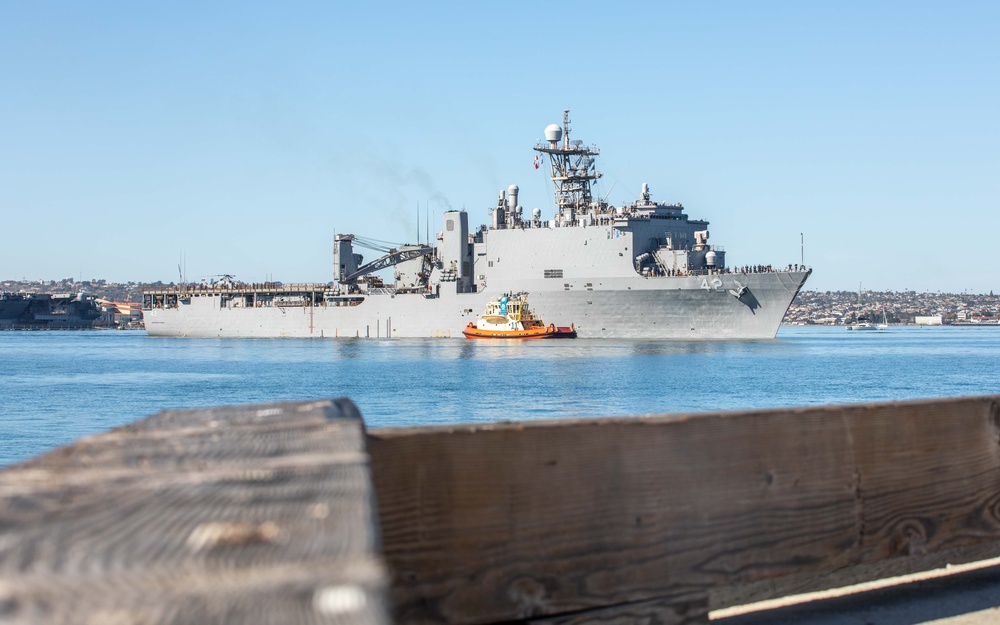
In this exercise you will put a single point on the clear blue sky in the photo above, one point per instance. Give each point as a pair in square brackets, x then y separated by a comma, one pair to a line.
[244, 135]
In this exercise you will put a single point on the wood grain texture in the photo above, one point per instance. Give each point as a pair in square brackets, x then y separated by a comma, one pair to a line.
[690, 609]
[796, 584]
[516, 521]
[247, 514]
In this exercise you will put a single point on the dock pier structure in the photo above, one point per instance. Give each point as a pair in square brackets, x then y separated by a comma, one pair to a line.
[295, 513]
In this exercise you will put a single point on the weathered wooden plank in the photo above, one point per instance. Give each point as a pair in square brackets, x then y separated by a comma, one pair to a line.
[964, 598]
[243, 514]
[264, 513]
[315, 591]
[690, 609]
[929, 475]
[512, 521]
[725, 596]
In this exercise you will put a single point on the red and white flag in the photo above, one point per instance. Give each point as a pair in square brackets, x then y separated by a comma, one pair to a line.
[537, 163]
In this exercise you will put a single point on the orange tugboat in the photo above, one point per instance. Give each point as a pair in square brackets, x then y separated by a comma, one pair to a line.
[508, 317]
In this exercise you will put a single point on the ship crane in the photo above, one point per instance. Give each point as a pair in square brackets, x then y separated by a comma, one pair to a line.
[394, 257]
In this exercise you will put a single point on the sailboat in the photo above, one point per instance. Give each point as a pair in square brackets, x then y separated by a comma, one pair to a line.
[885, 321]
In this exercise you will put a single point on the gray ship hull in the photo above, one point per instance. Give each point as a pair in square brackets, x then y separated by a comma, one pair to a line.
[13, 308]
[651, 308]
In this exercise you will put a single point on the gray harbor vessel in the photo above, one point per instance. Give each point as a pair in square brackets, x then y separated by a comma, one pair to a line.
[49, 311]
[639, 270]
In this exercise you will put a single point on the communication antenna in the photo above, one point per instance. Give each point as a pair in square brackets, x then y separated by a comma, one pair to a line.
[182, 267]
[802, 249]
[605, 198]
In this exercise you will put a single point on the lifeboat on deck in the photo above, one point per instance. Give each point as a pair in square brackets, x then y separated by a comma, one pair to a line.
[508, 317]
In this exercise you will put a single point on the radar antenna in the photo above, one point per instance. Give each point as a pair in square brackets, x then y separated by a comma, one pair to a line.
[572, 164]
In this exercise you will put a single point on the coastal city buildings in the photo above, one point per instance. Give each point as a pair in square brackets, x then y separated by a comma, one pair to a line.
[896, 307]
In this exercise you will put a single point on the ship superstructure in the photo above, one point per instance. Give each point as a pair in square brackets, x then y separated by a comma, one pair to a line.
[643, 269]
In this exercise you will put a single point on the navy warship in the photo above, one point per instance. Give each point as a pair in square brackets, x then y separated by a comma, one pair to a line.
[639, 270]
[48, 311]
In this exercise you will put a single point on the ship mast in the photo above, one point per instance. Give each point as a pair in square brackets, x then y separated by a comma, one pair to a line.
[572, 165]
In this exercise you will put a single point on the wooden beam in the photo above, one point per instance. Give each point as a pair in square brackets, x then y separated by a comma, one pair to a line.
[266, 513]
[495, 523]
[251, 514]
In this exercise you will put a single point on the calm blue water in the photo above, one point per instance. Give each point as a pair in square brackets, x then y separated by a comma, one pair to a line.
[57, 386]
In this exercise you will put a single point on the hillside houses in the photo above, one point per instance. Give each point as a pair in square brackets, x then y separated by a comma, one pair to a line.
[842, 307]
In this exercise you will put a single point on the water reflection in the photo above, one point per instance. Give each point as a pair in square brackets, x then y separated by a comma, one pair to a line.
[348, 348]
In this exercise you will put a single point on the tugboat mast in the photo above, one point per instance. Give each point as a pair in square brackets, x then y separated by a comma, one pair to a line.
[572, 165]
